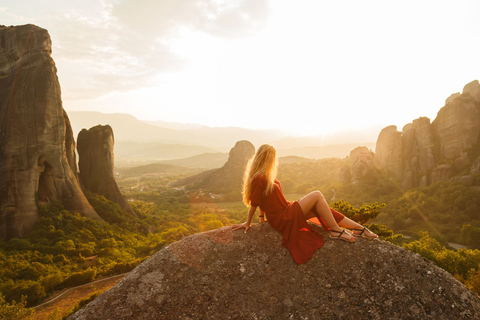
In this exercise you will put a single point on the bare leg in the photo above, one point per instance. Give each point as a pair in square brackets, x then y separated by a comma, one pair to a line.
[350, 224]
[316, 200]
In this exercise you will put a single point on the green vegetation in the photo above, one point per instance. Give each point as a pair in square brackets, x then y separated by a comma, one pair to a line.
[463, 264]
[14, 310]
[66, 250]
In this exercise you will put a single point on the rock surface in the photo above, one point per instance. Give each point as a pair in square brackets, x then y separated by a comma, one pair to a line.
[37, 148]
[360, 161]
[96, 162]
[225, 274]
[227, 178]
[424, 152]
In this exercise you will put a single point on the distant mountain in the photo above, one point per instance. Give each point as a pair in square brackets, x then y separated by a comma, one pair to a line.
[203, 161]
[139, 142]
[128, 128]
[137, 152]
[176, 125]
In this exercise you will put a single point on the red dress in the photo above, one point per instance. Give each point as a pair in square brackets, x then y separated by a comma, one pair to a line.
[288, 218]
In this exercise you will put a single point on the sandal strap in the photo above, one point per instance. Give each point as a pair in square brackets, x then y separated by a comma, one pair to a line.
[340, 233]
[362, 231]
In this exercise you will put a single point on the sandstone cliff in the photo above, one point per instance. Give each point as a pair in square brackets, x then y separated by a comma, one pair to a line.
[424, 152]
[360, 161]
[37, 149]
[223, 274]
[227, 178]
[95, 162]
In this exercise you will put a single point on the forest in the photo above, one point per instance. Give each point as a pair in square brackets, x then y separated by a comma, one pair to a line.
[65, 250]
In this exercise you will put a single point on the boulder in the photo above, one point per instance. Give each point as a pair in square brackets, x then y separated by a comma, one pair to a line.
[37, 148]
[225, 274]
[96, 163]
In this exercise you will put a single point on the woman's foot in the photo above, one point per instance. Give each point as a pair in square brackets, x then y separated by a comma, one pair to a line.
[364, 233]
[342, 235]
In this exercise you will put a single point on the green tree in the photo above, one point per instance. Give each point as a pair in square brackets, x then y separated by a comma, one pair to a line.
[15, 310]
[361, 215]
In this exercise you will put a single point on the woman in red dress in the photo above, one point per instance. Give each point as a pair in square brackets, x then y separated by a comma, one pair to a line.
[263, 190]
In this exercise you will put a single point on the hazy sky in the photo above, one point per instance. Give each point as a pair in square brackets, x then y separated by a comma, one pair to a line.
[307, 66]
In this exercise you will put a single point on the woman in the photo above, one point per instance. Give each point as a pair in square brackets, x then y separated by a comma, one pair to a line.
[262, 189]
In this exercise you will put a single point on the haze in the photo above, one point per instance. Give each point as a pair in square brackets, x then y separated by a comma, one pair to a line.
[304, 67]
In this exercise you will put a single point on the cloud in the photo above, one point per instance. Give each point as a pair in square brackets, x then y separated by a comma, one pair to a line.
[126, 45]
[226, 18]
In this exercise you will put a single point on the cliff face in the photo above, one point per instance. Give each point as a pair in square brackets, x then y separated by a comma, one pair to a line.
[227, 178]
[424, 153]
[95, 153]
[223, 274]
[37, 149]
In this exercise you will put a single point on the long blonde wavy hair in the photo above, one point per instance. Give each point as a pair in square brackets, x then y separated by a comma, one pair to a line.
[263, 162]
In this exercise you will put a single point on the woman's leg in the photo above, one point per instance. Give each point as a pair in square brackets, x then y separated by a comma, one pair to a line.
[350, 224]
[316, 200]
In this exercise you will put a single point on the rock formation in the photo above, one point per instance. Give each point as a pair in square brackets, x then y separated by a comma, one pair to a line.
[95, 162]
[227, 178]
[37, 148]
[426, 152]
[225, 274]
[360, 161]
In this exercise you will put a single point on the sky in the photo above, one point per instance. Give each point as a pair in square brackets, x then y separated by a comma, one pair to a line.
[307, 67]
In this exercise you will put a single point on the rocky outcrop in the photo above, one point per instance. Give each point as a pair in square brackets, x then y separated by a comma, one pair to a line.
[389, 150]
[37, 149]
[457, 125]
[227, 178]
[361, 162]
[225, 274]
[424, 152]
[95, 162]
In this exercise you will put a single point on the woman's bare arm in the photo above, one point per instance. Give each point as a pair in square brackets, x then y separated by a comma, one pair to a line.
[246, 225]
[261, 216]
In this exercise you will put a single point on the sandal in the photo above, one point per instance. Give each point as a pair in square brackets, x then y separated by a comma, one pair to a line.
[339, 237]
[364, 235]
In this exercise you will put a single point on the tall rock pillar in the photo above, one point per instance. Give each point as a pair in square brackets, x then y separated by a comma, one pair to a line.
[37, 158]
[95, 152]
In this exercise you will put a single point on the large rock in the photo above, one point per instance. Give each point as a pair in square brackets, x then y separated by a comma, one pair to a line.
[223, 274]
[361, 163]
[457, 126]
[37, 148]
[424, 152]
[389, 151]
[473, 89]
[96, 163]
[418, 154]
[227, 178]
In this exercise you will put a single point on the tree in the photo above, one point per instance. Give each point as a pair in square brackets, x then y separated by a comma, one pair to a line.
[361, 215]
[15, 310]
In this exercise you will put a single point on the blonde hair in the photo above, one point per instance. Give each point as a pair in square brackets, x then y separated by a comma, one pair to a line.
[263, 162]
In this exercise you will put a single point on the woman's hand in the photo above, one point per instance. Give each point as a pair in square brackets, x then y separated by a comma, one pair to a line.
[241, 226]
